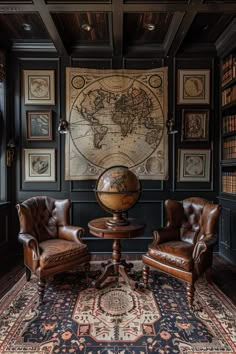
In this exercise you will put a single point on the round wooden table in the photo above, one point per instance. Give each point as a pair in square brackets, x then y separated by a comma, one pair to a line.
[116, 266]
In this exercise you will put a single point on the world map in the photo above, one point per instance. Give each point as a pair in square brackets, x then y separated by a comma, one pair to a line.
[116, 118]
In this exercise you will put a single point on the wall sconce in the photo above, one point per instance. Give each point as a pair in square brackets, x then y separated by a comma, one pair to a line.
[11, 152]
[63, 126]
[170, 123]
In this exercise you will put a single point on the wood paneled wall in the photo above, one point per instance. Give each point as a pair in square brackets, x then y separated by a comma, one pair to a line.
[84, 206]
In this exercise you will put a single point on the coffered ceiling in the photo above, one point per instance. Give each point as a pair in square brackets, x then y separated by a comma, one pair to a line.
[118, 28]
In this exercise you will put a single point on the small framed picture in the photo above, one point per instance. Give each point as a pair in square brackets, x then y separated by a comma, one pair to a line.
[195, 125]
[39, 125]
[193, 87]
[39, 87]
[39, 165]
[194, 165]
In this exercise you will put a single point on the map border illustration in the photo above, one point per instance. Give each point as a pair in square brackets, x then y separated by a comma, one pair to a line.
[116, 117]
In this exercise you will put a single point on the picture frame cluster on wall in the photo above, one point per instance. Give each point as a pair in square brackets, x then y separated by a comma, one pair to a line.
[39, 125]
[194, 89]
[39, 90]
[193, 86]
[194, 165]
[39, 165]
[195, 125]
[39, 87]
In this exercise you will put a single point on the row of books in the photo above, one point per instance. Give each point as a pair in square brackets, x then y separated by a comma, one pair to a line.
[229, 182]
[229, 69]
[229, 95]
[229, 123]
[229, 148]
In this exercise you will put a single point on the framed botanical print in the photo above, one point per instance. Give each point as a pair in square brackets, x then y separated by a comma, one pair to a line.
[195, 125]
[39, 125]
[193, 86]
[39, 87]
[194, 165]
[39, 165]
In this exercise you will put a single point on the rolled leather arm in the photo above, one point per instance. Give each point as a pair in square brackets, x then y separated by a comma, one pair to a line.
[71, 233]
[165, 234]
[202, 246]
[30, 241]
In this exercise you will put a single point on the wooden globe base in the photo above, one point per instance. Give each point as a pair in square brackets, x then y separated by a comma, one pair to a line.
[118, 219]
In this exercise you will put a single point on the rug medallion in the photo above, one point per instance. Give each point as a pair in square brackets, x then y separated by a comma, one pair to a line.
[116, 313]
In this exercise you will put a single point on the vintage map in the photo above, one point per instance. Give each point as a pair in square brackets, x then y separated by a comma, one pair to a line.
[116, 117]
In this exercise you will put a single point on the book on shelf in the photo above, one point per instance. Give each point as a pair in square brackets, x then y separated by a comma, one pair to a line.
[229, 148]
[229, 95]
[229, 123]
[229, 182]
[228, 69]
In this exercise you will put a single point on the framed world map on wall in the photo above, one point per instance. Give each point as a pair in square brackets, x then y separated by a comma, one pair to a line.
[116, 117]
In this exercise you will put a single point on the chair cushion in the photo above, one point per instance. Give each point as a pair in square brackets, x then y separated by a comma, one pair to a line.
[173, 253]
[58, 252]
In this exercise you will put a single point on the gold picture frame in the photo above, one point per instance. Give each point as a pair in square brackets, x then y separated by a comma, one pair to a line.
[39, 87]
[195, 125]
[39, 125]
[39, 165]
[194, 165]
[193, 86]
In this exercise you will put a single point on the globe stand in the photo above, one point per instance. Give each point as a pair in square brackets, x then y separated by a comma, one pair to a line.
[118, 219]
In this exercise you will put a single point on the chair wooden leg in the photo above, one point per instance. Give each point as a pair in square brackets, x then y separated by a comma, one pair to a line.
[41, 290]
[27, 273]
[190, 294]
[145, 275]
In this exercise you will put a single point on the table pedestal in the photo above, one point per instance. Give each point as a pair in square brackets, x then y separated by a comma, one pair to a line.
[116, 266]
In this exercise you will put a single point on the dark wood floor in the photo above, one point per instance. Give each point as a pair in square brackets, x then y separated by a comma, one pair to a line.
[224, 274]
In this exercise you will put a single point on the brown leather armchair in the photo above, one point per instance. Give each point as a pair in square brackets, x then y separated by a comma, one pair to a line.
[184, 248]
[50, 244]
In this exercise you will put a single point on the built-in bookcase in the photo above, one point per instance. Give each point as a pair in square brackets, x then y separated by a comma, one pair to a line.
[228, 103]
[227, 197]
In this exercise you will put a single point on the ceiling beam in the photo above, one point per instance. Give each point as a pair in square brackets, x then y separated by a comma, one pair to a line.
[117, 30]
[39, 6]
[172, 31]
[181, 33]
[13, 7]
[223, 43]
[184, 27]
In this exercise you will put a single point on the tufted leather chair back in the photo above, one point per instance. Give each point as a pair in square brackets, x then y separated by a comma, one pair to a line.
[195, 218]
[41, 216]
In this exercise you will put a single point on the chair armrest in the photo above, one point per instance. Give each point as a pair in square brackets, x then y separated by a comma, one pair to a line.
[202, 246]
[30, 241]
[165, 234]
[71, 233]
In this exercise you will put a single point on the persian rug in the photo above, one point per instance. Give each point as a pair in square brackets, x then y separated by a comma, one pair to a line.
[76, 318]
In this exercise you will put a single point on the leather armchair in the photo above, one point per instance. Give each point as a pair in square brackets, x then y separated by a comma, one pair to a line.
[50, 244]
[184, 247]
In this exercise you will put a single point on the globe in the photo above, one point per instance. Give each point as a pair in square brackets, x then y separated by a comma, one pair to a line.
[117, 190]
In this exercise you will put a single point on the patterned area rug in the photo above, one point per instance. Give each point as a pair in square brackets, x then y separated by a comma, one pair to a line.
[115, 319]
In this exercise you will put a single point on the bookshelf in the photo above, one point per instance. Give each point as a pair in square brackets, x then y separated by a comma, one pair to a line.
[228, 129]
[227, 197]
